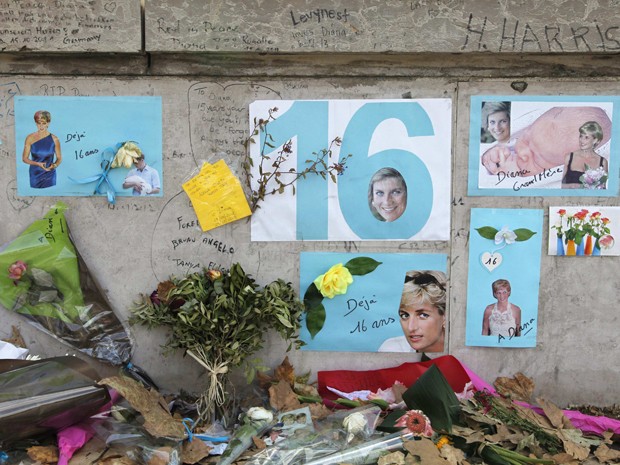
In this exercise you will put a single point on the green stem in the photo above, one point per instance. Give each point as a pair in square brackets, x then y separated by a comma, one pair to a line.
[520, 458]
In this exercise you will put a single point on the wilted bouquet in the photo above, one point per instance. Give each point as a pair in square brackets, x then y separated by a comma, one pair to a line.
[220, 320]
[594, 178]
[36, 286]
[45, 280]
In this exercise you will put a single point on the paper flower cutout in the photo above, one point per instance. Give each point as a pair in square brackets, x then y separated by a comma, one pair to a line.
[334, 282]
[505, 235]
[126, 155]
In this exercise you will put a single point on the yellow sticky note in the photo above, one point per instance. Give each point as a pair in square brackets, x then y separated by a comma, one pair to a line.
[217, 196]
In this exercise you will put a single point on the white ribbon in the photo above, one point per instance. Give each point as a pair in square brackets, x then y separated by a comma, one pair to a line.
[215, 393]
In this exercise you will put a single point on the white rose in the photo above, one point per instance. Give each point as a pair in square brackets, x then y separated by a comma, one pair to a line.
[259, 414]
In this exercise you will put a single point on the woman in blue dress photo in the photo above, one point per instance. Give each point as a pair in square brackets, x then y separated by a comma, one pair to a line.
[42, 153]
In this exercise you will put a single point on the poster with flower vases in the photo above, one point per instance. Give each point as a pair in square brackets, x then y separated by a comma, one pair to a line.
[374, 302]
[83, 146]
[543, 145]
[587, 231]
[503, 277]
[349, 170]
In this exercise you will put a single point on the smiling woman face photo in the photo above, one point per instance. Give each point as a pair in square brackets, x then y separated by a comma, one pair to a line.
[499, 126]
[422, 310]
[387, 194]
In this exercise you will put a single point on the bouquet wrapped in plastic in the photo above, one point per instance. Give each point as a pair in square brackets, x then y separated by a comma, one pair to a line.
[341, 431]
[46, 281]
[40, 396]
[133, 441]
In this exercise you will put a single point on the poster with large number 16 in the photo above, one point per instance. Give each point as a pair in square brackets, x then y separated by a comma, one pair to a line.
[386, 169]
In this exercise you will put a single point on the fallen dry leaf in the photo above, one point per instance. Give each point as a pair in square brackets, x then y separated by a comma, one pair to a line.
[318, 411]
[16, 338]
[116, 460]
[565, 459]
[554, 414]
[195, 451]
[285, 371]
[453, 455]
[470, 435]
[306, 390]
[531, 443]
[571, 447]
[426, 450]
[263, 380]
[607, 455]
[157, 419]
[282, 398]
[536, 418]
[259, 443]
[503, 433]
[43, 454]
[393, 458]
[520, 387]
[162, 456]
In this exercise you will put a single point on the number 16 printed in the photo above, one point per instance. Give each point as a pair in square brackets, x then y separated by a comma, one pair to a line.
[397, 176]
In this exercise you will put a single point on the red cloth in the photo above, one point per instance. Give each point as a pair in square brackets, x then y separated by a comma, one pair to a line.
[407, 373]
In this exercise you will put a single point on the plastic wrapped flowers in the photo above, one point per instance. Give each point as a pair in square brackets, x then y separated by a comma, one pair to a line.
[47, 282]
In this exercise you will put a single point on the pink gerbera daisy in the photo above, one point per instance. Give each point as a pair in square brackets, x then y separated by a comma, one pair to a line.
[416, 422]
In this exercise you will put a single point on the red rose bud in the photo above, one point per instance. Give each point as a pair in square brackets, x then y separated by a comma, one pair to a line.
[17, 270]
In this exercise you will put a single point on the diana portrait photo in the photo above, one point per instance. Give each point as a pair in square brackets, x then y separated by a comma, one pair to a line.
[421, 313]
[42, 152]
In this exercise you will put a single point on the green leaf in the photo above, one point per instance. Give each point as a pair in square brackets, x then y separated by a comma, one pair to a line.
[42, 278]
[315, 319]
[348, 402]
[384, 404]
[523, 234]
[361, 265]
[432, 394]
[487, 232]
[312, 297]
[387, 425]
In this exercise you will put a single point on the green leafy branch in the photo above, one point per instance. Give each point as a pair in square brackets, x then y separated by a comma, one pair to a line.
[272, 178]
[221, 319]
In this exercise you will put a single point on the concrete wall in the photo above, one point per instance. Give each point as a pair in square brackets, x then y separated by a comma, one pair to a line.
[210, 60]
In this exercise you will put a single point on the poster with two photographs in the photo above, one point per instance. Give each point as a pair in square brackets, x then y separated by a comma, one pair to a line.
[84, 146]
[543, 146]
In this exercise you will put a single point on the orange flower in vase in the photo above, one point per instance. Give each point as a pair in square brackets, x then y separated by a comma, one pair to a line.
[575, 232]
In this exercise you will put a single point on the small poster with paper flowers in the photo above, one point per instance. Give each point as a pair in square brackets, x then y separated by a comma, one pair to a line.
[89, 146]
[503, 278]
[353, 302]
[583, 231]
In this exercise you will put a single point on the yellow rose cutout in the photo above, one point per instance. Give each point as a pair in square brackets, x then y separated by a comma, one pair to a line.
[334, 282]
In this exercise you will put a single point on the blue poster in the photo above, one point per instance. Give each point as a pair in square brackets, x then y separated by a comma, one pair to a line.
[503, 277]
[83, 146]
[364, 315]
[543, 146]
